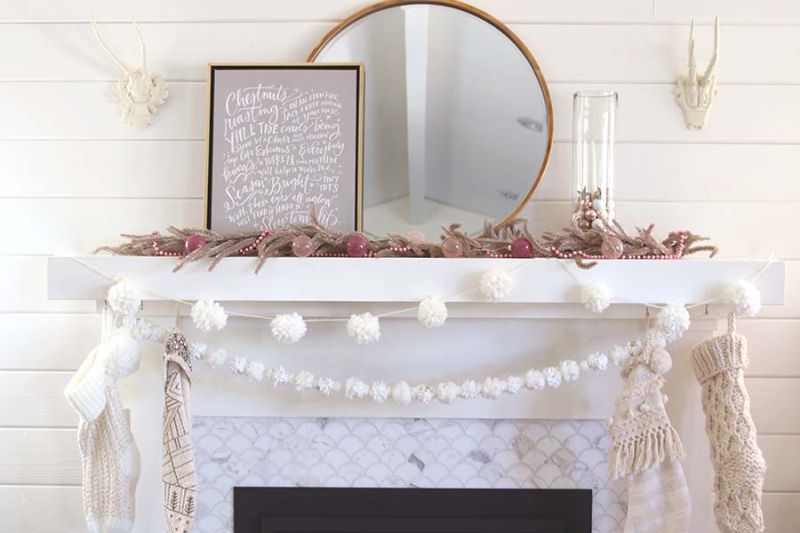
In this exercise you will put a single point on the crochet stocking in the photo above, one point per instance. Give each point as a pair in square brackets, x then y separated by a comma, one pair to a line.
[646, 448]
[739, 467]
[178, 473]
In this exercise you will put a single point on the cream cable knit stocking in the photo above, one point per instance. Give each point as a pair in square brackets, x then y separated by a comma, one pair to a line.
[739, 467]
[646, 448]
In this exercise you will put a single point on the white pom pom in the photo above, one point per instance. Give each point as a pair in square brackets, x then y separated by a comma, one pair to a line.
[218, 357]
[280, 376]
[570, 370]
[401, 393]
[432, 312]
[492, 388]
[447, 392]
[672, 322]
[744, 297]
[534, 379]
[354, 389]
[208, 315]
[288, 328]
[379, 392]
[327, 386]
[514, 384]
[255, 370]
[303, 380]
[597, 361]
[119, 355]
[198, 350]
[364, 328]
[470, 389]
[239, 365]
[620, 354]
[595, 297]
[552, 377]
[422, 393]
[124, 299]
[496, 284]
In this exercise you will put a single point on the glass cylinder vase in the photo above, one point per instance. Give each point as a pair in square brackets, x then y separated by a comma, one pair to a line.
[593, 122]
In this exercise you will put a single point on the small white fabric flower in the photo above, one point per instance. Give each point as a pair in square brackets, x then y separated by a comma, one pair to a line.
[364, 328]
[672, 321]
[432, 312]
[744, 297]
[552, 377]
[620, 354]
[422, 393]
[280, 376]
[354, 389]
[514, 384]
[255, 370]
[303, 380]
[595, 297]
[327, 386]
[379, 392]
[208, 315]
[493, 387]
[447, 392]
[570, 370]
[401, 393]
[239, 364]
[496, 284]
[218, 357]
[198, 350]
[288, 328]
[534, 379]
[597, 361]
[119, 354]
[470, 389]
[124, 299]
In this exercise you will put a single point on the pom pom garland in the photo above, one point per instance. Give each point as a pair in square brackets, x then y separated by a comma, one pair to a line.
[354, 388]
[672, 322]
[401, 393]
[208, 315]
[255, 370]
[288, 328]
[364, 328]
[304, 380]
[534, 379]
[123, 299]
[119, 354]
[218, 358]
[470, 389]
[432, 312]
[744, 297]
[379, 392]
[496, 284]
[570, 371]
[595, 297]
[447, 392]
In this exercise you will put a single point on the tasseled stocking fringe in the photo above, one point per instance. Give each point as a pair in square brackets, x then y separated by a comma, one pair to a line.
[634, 455]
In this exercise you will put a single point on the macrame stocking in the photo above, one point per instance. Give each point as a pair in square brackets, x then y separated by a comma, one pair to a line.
[646, 448]
[739, 467]
[178, 473]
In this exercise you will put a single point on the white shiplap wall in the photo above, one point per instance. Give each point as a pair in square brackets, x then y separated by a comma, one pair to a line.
[73, 177]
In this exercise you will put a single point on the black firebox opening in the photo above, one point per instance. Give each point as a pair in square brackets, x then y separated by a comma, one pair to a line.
[357, 510]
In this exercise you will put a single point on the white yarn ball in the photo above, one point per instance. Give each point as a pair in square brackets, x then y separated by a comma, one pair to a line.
[280, 376]
[597, 361]
[120, 354]
[496, 284]
[123, 299]
[552, 377]
[218, 357]
[198, 350]
[534, 379]
[672, 322]
[595, 297]
[327, 386]
[744, 297]
[514, 384]
[447, 392]
[239, 365]
[401, 393]
[470, 389]
[208, 315]
[379, 392]
[422, 393]
[570, 370]
[620, 354]
[355, 389]
[288, 328]
[491, 388]
[255, 370]
[303, 380]
[364, 328]
[432, 312]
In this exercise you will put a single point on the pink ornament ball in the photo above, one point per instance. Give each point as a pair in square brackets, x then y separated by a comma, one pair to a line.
[302, 246]
[521, 248]
[357, 245]
[611, 247]
[416, 236]
[194, 242]
[452, 247]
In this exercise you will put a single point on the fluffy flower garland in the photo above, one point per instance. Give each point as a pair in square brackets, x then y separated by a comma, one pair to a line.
[432, 313]
[124, 299]
[364, 328]
[208, 315]
[288, 328]
[496, 284]
[595, 297]
[743, 296]
[672, 322]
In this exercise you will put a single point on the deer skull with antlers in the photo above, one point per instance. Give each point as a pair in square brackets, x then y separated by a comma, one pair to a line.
[137, 93]
[697, 93]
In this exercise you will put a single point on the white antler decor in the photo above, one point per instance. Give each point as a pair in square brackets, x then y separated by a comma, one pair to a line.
[137, 93]
[697, 93]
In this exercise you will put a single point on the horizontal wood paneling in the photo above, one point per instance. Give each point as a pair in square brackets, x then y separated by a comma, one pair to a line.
[47, 509]
[46, 341]
[783, 468]
[781, 511]
[774, 405]
[24, 287]
[773, 346]
[39, 457]
[731, 11]
[35, 399]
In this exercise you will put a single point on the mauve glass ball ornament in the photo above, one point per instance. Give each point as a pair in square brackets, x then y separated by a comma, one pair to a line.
[521, 248]
[611, 247]
[357, 245]
[416, 236]
[302, 246]
[193, 242]
[452, 247]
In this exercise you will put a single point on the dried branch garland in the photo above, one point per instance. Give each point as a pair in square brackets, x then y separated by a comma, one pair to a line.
[576, 242]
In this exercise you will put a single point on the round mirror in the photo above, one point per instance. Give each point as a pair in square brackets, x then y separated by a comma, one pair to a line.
[458, 123]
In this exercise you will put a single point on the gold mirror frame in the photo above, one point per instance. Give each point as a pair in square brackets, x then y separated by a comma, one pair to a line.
[472, 10]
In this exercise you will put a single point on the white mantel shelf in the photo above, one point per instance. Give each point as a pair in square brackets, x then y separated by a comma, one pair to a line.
[326, 280]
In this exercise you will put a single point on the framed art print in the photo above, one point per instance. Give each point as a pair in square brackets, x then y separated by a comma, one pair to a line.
[284, 139]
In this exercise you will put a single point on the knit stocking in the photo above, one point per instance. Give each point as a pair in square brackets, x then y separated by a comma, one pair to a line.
[739, 467]
[178, 473]
[646, 448]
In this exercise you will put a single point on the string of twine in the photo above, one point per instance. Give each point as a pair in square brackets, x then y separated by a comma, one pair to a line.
[388, 314]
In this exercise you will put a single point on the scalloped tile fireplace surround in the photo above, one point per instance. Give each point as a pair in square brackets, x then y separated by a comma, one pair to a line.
[424, 453]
